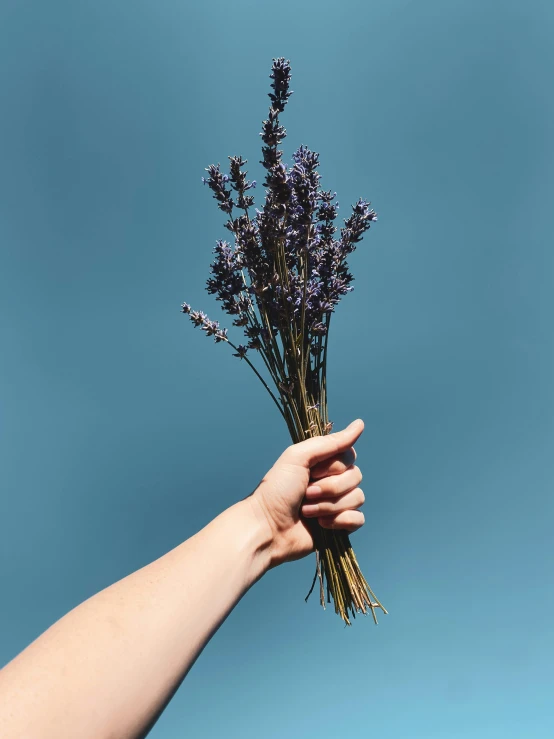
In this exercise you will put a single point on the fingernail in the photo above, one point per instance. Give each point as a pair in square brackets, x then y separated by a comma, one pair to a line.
[313, 490]
[308, 510]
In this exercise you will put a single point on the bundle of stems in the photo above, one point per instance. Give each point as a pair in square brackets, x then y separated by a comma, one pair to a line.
[281, 281]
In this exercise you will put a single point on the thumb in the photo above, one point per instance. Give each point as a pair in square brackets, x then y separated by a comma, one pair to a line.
[317, 449]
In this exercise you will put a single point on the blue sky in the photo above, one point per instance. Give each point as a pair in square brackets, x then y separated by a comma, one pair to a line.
[124, 430]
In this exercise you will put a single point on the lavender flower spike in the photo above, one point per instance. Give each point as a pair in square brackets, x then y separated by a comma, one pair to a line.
[200, 319]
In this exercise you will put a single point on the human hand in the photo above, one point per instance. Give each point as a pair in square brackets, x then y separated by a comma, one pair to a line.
[315, 479]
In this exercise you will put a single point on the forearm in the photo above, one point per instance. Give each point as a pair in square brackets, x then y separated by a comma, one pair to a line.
[109, 667]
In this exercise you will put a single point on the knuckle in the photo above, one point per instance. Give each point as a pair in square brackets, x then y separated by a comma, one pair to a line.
[330, 508]
[354, 520]
[361, 496]
[359, 475]
[334, 485]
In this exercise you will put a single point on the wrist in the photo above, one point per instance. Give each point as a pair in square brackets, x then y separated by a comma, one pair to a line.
[255, 536]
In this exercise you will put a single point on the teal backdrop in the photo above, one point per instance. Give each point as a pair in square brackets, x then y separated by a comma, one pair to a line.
[124, 430]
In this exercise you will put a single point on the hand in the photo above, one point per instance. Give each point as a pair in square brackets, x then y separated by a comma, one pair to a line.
[315, 479]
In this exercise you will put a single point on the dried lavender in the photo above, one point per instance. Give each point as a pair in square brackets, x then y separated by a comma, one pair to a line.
[280, 281]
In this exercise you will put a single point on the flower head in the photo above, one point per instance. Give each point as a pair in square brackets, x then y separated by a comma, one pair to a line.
[285, 269]
[217, 182]
[201, 320]
[241, 351]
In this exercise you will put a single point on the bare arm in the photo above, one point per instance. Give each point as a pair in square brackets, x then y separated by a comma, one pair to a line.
[109, 667]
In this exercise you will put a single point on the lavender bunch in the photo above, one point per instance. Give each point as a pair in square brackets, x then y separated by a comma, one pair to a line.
[280, 279]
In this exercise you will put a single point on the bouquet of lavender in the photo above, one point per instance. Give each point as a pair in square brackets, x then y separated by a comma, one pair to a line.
[281, 281]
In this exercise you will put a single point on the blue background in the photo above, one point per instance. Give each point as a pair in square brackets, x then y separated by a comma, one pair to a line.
[124, 430]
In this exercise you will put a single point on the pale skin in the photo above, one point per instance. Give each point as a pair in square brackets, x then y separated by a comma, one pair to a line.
[110, 666]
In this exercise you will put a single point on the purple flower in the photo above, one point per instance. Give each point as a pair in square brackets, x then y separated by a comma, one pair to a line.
[280, 74]
[354, 227]
[318, 329]
[255, 344]
[240, 184]
[226, 281]
[200, 319]
[241, 351]
[287, 268]
[272, 132]
[217, 182]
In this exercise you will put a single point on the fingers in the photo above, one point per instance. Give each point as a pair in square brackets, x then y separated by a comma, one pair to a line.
[334, 465]
[334, 500]
[347, 521]
[333, 506]
[335, 485]
[313, 451]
